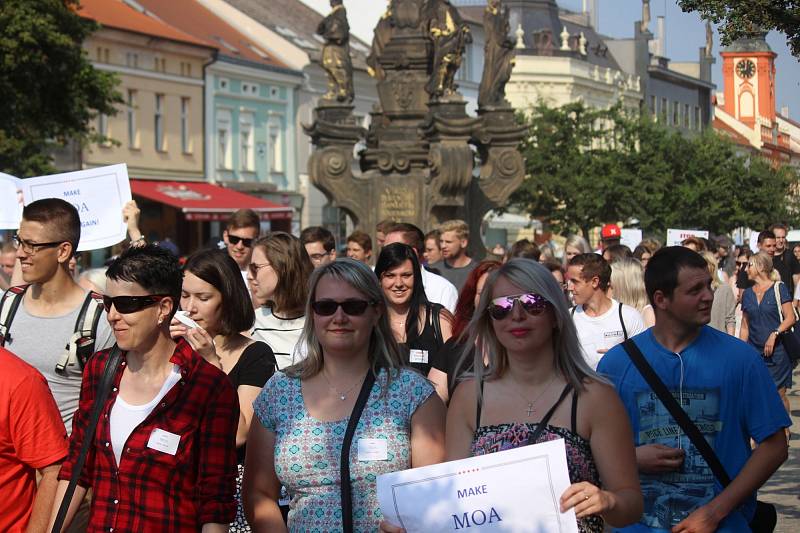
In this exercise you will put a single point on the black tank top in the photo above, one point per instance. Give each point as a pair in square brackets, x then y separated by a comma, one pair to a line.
[419, 352]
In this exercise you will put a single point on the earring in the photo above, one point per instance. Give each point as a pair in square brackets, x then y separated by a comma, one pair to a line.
[160, 320]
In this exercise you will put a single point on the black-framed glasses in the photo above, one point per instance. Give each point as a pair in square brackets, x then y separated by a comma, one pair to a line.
[33, 247]
[234, 240]
[131, 304]
[319, 257]
[350, 307]
[255, 267]
[534, 304]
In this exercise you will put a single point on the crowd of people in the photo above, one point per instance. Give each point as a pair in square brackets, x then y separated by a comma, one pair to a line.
[264, 384]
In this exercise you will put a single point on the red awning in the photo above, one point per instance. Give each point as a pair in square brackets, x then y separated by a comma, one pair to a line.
[204, 201]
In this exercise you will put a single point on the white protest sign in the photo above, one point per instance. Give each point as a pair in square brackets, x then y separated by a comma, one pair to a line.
[631, 237]
[676, 236]
[514, 490]
[10, 201]
[99, 195]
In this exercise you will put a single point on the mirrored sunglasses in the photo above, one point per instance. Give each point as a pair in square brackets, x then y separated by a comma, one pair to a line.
[534, 304]
[131, 304]
[350, 307]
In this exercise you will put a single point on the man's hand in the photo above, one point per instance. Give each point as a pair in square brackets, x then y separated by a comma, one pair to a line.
[702, 520]
[657, 458]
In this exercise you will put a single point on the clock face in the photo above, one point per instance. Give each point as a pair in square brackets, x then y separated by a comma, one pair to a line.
[746, 68]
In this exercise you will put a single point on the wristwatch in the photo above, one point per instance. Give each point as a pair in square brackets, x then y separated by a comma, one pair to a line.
[777, 332]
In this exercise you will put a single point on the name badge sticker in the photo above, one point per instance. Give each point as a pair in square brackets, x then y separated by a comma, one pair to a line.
[418, 356]
[164, 441]
[373, 450]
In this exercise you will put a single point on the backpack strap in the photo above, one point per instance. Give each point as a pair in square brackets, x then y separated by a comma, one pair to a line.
[82, 342]
[8, 308]
[622, 323]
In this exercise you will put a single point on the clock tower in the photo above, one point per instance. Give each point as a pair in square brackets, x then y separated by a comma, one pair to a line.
[748, 71]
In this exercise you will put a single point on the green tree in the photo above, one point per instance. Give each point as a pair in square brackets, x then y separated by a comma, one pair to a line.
[738, 18]
[587, 167]
[50, 91]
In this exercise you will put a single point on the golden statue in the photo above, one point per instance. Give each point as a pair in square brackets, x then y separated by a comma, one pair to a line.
[450, 36]
[336, 54]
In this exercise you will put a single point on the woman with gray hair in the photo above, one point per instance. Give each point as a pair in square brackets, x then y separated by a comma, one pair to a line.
[351, 388]
[538, 387]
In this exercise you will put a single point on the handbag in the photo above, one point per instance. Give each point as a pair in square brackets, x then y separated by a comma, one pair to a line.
[765, 517]
[103, 388]
[791, 337]
[344, 462]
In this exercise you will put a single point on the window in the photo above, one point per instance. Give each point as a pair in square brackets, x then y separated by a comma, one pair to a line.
[185, 125]
[159, 123]
[686, 116]
[664, 111]
[653, 104]
[698, 119]
[274, 92]
[159, 64]
[133, 134]
[246, 161]
[275, 148]
[224, 84]
[223, 139]
[249, 88]
[186, 69]
[132, 60]
[102, 124]
[103, 54]
[676, 114]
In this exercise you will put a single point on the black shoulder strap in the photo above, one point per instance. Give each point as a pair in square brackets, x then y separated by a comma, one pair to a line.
[678, 414]
[533, 437]
[103, 388]
[622, 323]
[572, 311]
[479, 407]
[8, 308]
[574, 413]
[344, 466]
[437, 327]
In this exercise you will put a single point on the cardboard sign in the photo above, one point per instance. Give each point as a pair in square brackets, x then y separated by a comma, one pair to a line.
[98, 194]
[676, 236]
[10, 201]
[631, 237]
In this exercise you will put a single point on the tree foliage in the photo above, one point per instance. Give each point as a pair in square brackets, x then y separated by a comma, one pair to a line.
[586, 167]
[738, 18]
[50, 91]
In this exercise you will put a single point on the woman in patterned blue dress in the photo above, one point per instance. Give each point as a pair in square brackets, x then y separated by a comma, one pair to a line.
[302, 414]
[537, 379]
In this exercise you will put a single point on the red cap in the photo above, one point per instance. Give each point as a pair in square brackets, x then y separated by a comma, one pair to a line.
[610, 231]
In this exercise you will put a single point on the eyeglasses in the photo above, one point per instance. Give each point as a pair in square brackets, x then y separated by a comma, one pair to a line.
[255, 267]
[131, 304]
[32, 247]
[234, 240]
[318, 257]
[350, 307]
[534, 304]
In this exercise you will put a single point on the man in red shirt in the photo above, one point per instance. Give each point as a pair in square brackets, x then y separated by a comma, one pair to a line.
[32, 438]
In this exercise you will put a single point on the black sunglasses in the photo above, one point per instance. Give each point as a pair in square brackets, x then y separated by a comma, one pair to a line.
[233, 239]
[350, 307]
[534, 304]
[131, 304]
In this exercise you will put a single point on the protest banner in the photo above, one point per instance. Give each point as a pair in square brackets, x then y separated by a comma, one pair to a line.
[98, 194]
[10, 201]
[676, 236]
[631, 237]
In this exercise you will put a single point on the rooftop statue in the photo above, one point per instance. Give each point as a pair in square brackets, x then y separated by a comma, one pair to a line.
[498, 55]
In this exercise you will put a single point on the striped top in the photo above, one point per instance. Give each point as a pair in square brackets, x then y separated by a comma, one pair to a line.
[281, 334]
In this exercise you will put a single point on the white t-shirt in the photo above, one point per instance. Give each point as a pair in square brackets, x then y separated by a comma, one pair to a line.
[125, 417]
[439, 291]
[605, 331]
[281, 335]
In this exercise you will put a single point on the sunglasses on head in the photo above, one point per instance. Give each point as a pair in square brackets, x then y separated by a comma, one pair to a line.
[234, 240]
[350, 307]
[131, 304]
[534, 304]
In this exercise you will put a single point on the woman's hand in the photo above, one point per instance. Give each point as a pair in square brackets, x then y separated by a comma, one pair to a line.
[769, 346]
[386, 527]
[130, 215]
[587, 500]
[198, 338]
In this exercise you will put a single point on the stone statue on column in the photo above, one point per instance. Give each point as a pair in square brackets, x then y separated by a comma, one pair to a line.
[709, 39]
[336, 54]
[645, 16]
[450, 36]
[498, 59]
[381, 36]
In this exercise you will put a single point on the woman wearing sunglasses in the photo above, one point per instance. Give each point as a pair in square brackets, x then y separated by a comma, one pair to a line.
[215, 297]
[303, 414]
[537, 387]
[419, 327]
[280, 269]
[163, 457]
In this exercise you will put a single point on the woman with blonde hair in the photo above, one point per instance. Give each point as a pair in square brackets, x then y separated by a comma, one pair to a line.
[538, 387]
[762, 326]
[627, 284]
[308, 417]
[723, 309]
[575, 245]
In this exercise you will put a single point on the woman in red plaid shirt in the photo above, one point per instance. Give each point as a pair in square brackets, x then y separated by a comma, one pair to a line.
[163, 457]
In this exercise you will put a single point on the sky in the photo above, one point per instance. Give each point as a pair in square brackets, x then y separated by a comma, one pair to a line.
[685, 34]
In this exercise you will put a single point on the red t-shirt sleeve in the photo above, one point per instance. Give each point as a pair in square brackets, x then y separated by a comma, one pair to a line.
[38, 433]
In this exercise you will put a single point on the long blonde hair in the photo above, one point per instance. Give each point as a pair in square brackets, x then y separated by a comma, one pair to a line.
[711, 261]
[627, 281]
[383, 351]
[763, 262]
[529, 276]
